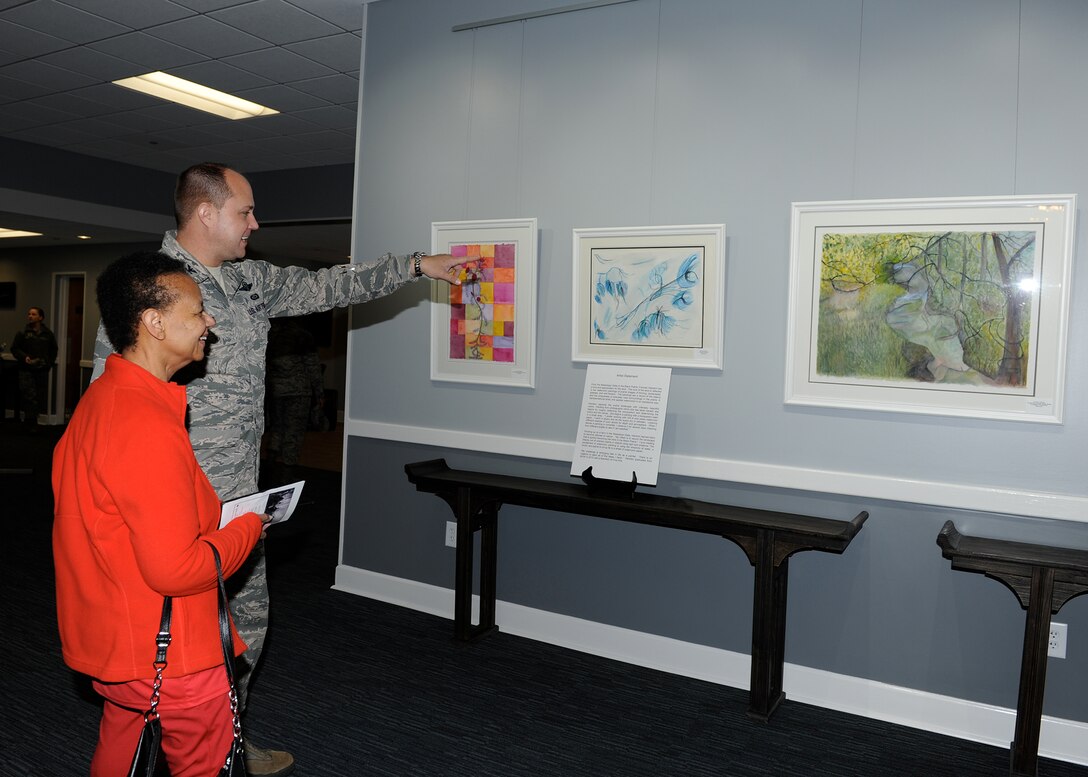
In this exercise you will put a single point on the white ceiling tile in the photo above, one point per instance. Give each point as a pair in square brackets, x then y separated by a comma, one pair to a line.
[56, 93]
[340, 52]
[77, 106]
[49, 77]
[136, 14]
[151, 52]
[276, 21]
[117, 148]
[283, 98]
[29, 114]
[220, 75]
[12, 89]
[333, 117]
[116, 97]
[187, 137]
[205, 6]
[335, 89]
[322, 157]
[64, 21]
[105, 129]
[25, 42]
[209, 37]
[287, 124]
[279, 65]
[53, 135]
[138, 121]
[326, 140]
[241, 130]
[100, 66]
[347, 14]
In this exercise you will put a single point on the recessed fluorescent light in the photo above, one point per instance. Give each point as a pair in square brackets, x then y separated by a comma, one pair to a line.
[203, 98]
[83, 237]
[18, 233]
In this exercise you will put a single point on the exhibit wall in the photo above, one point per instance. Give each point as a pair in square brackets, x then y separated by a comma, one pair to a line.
[684, 112]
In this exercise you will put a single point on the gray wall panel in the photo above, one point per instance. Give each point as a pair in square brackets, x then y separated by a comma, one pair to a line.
[685, 111]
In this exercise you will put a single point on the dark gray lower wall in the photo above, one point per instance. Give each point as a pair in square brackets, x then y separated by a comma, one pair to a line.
[890, 609]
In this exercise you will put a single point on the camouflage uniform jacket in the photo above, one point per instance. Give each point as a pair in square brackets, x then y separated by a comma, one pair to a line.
[226, 391]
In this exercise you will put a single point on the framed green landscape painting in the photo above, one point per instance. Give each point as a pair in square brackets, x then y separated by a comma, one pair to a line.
[954, 306]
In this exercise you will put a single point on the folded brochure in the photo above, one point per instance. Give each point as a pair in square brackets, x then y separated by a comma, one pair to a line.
[278, 503]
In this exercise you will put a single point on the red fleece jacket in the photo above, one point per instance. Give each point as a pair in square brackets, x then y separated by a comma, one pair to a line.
[133, 509]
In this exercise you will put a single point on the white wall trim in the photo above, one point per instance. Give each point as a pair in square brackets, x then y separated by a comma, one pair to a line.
[1040, 504]
[82, 211]
[1064, 740]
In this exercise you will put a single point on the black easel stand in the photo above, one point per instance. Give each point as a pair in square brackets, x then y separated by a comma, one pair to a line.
[601, 487]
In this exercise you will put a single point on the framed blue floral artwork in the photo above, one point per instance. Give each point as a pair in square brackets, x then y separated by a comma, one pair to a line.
[649, 296]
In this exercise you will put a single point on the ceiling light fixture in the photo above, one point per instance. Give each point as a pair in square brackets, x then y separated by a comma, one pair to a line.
[18, 233]
[203, 98]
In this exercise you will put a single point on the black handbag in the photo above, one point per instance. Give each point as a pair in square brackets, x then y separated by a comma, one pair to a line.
[149, 746]
[235, 764]
[146, 758]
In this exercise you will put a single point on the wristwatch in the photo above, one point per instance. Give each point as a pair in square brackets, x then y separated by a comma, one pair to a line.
[417, 264]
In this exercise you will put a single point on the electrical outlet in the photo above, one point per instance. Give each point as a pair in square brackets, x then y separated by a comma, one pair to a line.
[451, 540]
[1056, 644]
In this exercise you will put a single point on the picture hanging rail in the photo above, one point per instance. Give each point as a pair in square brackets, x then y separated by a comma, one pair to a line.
[953, 306]
[483, 331]
[650, 296]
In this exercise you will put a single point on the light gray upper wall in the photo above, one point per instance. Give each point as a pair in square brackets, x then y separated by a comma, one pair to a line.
[690, 111]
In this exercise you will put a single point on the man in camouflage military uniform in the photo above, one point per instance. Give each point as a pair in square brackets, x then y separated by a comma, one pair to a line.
[214, 206]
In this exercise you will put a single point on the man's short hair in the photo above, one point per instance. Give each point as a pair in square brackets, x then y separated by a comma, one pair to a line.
[41, 311]
[206, 182]
[128, 287]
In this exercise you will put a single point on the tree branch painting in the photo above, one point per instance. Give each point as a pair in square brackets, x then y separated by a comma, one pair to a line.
[951, 307]
[648, 296]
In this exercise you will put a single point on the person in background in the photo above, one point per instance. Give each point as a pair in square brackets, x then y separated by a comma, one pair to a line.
[214, 209]
[134, 517]
[35, 351]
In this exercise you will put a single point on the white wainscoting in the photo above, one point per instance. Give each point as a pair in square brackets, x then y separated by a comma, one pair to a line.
[1038, 504]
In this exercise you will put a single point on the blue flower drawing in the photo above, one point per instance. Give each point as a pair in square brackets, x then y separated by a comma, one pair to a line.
[648, 296]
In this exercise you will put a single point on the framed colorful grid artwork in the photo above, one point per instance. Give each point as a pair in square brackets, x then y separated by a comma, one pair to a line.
[483, 330]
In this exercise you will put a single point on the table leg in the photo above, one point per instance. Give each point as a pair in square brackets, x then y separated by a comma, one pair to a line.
[489, 552]
[768, 630]
[462, 594]
[1024, 756]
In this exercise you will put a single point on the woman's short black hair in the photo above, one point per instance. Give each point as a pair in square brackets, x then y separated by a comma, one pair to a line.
[130, 286]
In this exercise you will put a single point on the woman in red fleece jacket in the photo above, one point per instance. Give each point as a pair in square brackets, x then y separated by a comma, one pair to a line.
[133, 511]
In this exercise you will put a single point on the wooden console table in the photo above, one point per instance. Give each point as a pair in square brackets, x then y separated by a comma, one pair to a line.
[767, 538]
[1043, 578]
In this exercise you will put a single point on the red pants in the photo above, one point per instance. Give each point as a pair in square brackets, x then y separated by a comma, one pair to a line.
[197, 725]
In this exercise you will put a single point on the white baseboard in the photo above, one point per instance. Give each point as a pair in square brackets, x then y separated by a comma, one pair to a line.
[1064, 740]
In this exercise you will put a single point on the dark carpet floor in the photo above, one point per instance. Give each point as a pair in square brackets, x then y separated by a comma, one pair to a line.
[356, 687]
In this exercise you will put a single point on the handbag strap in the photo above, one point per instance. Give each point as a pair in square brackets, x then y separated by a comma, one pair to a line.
[162, 642]
[224, 617]
[235, 762]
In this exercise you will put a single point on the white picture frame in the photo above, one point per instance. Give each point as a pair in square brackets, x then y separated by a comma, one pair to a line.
[952, 306]
[503, 286]
[651, 296]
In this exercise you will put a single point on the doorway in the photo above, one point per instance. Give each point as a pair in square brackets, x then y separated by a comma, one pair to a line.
[68, 302]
